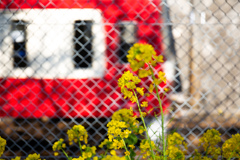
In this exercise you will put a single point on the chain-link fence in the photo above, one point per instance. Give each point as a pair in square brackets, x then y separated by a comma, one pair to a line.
[60, 61]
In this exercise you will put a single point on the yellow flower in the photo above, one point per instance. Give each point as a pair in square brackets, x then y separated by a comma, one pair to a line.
[34, 156]
[141, 131]
[209, 140]
[109, 157]
[231, 147]
[151, 87]
[117, 144]
[16, 158]
[162, 77]
[3, 143]
[142, 73]
[79, 158]
[175, 153]
[139, 54]
[166, 89]
[83, 146]
[159, 58]
[128, 83]
[145, 147]
[117, 129]
[56, 153]
[140, 91]
[77, 133]
[58, 145]
[144, 104]
[175, 139]
[113, 152]
[131, 146]
[95, 158]
[126, 133]
[127, 153]
[93, 150]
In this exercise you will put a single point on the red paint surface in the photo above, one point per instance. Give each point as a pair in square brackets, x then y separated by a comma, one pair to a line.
[26, 98]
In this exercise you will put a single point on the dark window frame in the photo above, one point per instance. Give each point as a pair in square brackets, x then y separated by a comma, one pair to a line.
[83, 37]
[18, 31]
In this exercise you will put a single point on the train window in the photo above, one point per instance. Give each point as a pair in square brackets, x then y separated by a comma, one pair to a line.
[128, 32]
[83, 52]
[18, 34]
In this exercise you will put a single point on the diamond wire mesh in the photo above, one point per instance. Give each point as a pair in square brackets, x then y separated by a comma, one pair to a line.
[200, 40]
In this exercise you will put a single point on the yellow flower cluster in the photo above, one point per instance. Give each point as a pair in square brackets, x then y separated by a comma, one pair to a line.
[231, 147]
[174, 152]
[175, 139]
[117, 129]
[143, 59]
[128, 83]
[146, 148]
[88, 153]
[209, 140]
[81, 158]
[106, 142]
[199, 156]
[115, 157]
[34, 156]
[139, 54]
[58, 146]
[127, 116]
[3, 143]
[77, 133]
[174, 149]
[16, 158]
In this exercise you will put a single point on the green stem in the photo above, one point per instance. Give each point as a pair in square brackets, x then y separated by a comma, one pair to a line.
[206, 154]
[149, 140]
[162, 116]
[80, 146]
[65, 154]
[125, 148]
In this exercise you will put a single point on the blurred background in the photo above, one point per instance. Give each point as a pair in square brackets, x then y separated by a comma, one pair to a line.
[60, 61]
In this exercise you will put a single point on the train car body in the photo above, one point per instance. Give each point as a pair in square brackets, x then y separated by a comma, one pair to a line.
[62, 58]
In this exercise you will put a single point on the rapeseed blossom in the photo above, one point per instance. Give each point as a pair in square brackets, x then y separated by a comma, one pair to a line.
[209, 140]
[144, 104]
[79, 158]
[88, 152]
[162, 77]
[117, 129]
[77, 133]
[127, 153]
[106, 142]
[139, 54]
[231, 147]
[58, 146]
[174, 152]
[115, 157]
[3, 143]
[146, 148]
[175, 139]
[127, 116]
[174, 148]
[128, 83]
[34, 156]
[143, 59]
[16, 158]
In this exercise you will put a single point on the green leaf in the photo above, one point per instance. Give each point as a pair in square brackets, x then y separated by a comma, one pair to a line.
[132, 139]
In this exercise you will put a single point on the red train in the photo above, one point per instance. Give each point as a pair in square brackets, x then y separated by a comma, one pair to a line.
[62, 58]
